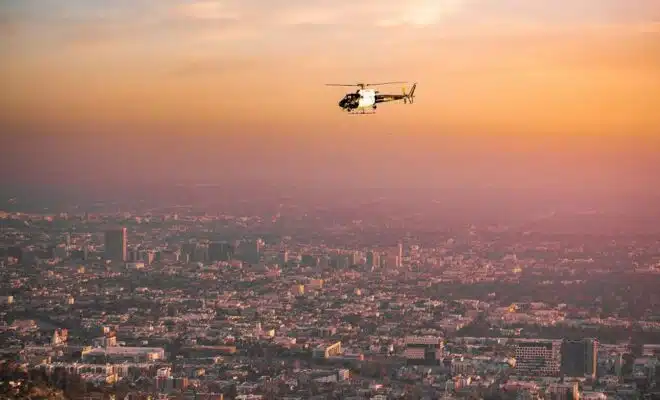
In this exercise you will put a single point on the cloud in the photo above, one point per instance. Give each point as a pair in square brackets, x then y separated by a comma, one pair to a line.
[293, 27]
[423, 13]
[291, 21]
[309, 16]
[547, 12]
[129, 24]
[207, 10]
[449, 15]
[367, 13]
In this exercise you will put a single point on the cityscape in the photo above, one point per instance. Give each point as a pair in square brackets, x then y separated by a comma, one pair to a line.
[330, 200]
[180, 303]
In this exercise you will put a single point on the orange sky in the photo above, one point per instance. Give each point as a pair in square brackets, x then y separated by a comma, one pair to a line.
[509, 76]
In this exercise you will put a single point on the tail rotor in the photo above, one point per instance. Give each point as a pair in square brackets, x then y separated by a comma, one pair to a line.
[410, 97]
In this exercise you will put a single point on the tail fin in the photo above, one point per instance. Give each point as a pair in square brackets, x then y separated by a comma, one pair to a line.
[411, 94]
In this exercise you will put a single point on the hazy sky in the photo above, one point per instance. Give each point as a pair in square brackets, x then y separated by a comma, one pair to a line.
[542, 92]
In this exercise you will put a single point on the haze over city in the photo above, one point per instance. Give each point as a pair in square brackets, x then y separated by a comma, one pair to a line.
[512, 94]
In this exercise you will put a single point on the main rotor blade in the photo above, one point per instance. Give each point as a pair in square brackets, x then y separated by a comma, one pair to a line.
[384, 83]
[366, 84]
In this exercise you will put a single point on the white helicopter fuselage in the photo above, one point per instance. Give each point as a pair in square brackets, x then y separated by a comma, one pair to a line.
[367, 98]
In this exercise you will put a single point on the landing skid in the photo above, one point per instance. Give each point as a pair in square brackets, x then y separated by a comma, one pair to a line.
[361, 112]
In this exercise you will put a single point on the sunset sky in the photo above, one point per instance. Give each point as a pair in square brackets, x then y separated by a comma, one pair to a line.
[510, 90]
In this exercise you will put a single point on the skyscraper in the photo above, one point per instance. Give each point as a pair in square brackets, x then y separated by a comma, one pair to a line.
[343, 261]
[373, 259]
[115, 244]
[220, 251]
[538, 357]
[398, 255]
[284, 257]
[579, 358]
[251, 251]
[354, 258]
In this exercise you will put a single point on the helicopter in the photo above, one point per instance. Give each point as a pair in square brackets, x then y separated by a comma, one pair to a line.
[367, 99]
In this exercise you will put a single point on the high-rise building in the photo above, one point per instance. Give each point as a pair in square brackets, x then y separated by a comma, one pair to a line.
[201, 253]
[257, 250]
[115, 244]
[579, 358]
[148, 257]
[220, 251]
[538, 357]
[310, 260]
[339, 261]
[423, 350]
[188, 249]
[284, 257]
[251, 251]
[373, 259]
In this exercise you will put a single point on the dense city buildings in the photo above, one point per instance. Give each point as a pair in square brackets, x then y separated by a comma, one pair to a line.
[182, 303]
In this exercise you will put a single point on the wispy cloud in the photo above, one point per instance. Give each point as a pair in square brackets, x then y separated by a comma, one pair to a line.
[192, 32]
[423, 13]
[283, 20]
[367, 13]
[207, 10]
